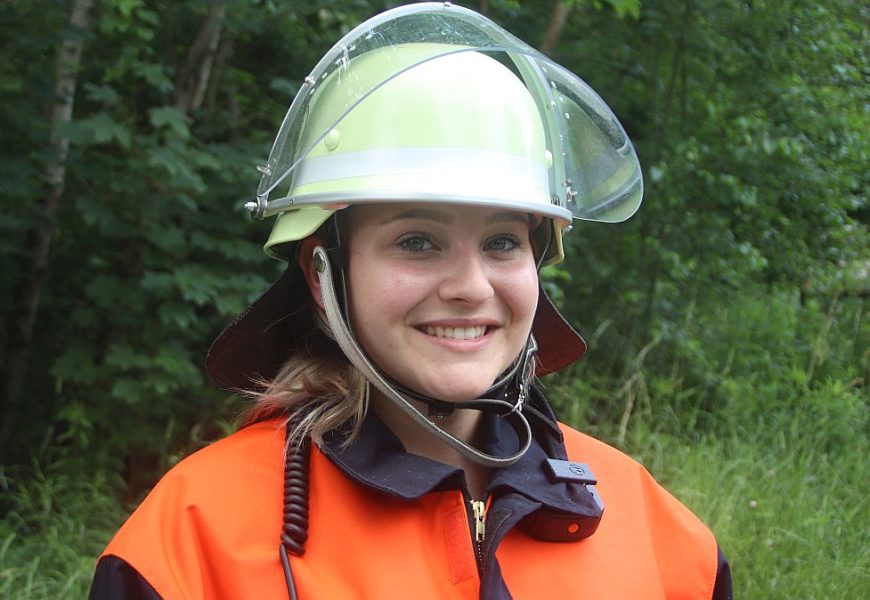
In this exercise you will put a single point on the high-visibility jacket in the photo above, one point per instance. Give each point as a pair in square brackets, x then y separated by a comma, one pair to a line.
[387, 524]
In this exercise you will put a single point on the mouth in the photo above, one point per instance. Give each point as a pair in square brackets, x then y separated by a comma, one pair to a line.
[456, 333]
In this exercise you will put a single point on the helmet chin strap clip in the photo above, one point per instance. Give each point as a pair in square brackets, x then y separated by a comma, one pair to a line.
[527, 373]
[440, 409]
[357, 357]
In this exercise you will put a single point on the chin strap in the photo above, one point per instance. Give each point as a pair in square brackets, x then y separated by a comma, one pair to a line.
[512, 412]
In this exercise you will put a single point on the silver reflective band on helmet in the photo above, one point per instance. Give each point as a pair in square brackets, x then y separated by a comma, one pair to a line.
[425, 168]
[399, 108]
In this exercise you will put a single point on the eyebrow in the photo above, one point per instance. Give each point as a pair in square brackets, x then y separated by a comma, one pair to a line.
[446, 218]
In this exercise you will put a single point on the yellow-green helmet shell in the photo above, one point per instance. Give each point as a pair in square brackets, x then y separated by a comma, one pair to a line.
[435, 103]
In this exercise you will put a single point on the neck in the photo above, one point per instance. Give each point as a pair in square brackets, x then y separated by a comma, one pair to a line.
[462, 424]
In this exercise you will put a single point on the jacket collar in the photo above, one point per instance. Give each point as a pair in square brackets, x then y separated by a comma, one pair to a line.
[378, 460]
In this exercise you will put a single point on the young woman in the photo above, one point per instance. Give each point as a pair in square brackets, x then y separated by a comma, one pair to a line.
[398, 447]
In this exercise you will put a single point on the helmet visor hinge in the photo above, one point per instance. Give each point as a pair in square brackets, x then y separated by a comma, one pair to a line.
[257, 208]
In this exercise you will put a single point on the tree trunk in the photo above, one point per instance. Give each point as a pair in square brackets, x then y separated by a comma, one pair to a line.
[23, 317]
[554, 30]
[195, 72]
[224, 50]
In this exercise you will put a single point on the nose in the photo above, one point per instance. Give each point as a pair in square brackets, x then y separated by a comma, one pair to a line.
[466, 278]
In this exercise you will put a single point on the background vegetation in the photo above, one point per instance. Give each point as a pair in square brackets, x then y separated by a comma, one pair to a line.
[727, 325]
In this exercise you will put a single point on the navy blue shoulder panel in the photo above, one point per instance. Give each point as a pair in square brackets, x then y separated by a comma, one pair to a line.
[115, 579]
[722, 588]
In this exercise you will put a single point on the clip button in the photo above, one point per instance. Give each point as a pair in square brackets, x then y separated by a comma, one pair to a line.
[564, 470]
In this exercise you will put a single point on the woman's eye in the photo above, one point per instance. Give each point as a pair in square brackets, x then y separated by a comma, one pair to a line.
[503, 243]
[415, 242]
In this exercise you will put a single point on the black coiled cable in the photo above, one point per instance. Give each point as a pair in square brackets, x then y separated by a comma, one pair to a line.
[295, 528]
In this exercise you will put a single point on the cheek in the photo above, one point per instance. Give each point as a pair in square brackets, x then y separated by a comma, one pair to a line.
[378, 294]
[520, 290]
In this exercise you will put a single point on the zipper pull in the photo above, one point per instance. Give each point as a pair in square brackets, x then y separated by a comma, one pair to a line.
[479, 509]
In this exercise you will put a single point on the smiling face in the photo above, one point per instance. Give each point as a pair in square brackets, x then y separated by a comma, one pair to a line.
[441, 298]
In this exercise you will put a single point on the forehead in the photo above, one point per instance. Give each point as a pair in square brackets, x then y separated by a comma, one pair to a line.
[448, 214]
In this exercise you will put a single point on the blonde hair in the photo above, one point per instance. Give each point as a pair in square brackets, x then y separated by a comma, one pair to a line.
[316, 390]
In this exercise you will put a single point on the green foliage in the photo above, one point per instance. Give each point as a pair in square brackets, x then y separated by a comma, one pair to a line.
[747, 364]
[746, 119]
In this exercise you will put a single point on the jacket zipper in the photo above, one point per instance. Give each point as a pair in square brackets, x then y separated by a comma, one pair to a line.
[478, 519]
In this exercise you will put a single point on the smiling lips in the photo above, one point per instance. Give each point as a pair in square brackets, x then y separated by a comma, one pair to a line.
[456, 333]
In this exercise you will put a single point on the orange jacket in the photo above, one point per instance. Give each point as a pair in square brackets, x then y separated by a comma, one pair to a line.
[211, 527]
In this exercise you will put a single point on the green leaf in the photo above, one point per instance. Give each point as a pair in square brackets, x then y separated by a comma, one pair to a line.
[130, 391]
[176, 362]
[171, 118]
[126, 357]
[102, 94]
[153, 74]
[177, 314]
[126, 7]
[624, 8]
[101, 128]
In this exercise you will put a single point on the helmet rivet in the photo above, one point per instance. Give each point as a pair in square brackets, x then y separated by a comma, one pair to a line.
[548, 159]
[318, 262]
[332, 139]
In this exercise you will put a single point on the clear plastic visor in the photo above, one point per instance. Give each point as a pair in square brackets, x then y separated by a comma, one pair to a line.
[595, 172]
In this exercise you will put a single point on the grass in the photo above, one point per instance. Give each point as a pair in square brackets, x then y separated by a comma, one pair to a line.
[792, 519]
[56, 522]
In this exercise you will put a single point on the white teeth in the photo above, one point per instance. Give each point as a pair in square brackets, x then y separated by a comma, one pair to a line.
[457, 333]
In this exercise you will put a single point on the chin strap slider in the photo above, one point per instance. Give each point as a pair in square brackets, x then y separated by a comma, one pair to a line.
[527, 373]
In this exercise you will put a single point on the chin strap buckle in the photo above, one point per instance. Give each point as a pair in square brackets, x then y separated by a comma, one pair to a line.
[439, 409]
[521, 398]
[527, 374]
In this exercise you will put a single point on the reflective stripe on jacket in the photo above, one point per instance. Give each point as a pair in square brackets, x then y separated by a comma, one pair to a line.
[386, 524]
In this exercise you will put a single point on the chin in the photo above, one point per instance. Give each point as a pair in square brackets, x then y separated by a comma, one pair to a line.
[456, 393]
